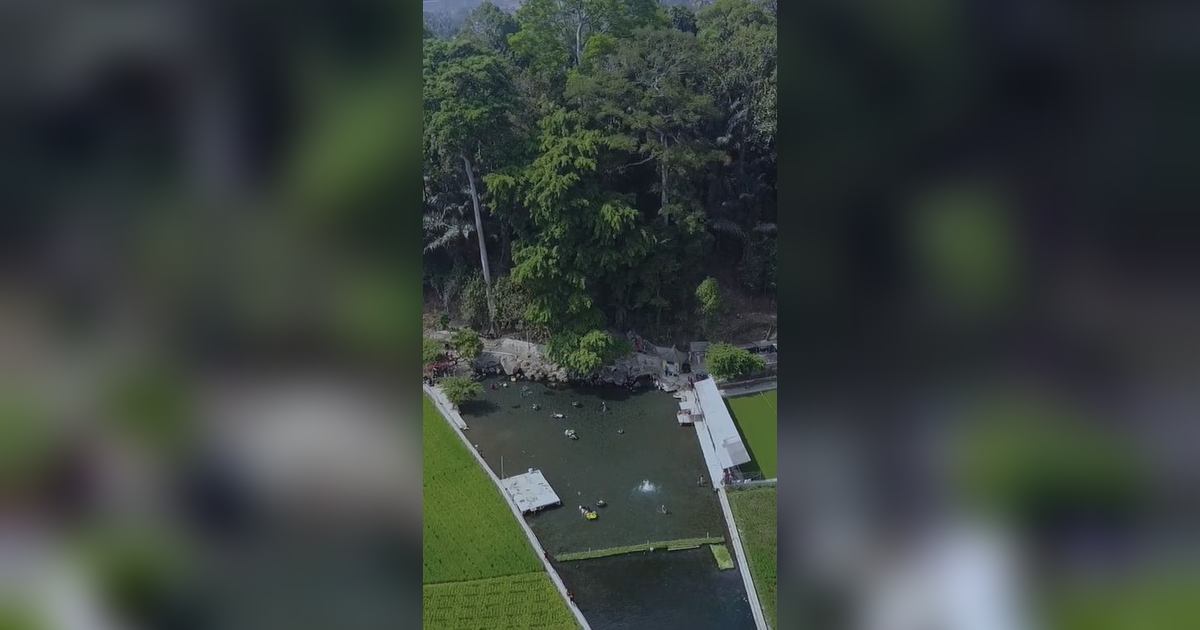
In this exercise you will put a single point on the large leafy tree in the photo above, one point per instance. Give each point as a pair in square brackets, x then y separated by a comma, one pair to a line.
[610, 157]
[554, 33]
[490, 26]
[646, 94]
[740, 43]
[468, 109]
[727, 362]
[584, 355]
[579, 232]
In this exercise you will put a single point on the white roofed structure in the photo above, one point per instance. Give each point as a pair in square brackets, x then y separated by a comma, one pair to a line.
[530, 491]
[723, 433]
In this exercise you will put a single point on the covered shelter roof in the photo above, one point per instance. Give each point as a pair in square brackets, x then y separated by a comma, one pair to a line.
[530, 491]
[726, 440]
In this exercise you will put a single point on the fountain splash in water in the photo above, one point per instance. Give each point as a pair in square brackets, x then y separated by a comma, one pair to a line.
[647, 486]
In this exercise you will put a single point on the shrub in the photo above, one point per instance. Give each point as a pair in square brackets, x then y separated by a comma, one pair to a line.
[467, 344]
[510, 303]
[460, 389]
[431, 351]
[584, 354]
[726, 362]
[709, 295]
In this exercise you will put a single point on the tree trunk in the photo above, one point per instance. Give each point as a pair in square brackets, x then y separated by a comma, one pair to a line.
[505, 247]
[579, 42]
[483, 257]
[663, 185]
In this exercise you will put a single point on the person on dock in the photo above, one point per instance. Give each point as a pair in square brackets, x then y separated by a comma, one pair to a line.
[571, 596]
[546, 554]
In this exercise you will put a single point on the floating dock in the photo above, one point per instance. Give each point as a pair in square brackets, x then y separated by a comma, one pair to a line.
[530, 491]
[689, 408]
[721, 554]
[666, 545]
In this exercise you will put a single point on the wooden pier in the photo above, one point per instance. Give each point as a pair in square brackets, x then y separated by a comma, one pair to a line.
[667, 545]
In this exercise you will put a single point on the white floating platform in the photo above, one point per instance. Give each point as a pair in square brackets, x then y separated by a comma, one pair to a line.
[530, 491]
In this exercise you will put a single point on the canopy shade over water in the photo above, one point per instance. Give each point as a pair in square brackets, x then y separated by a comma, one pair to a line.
[725, 437]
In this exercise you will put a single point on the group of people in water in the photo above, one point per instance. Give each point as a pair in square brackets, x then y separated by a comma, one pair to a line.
[576, 404]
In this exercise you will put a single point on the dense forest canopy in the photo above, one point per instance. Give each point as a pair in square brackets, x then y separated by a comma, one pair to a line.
[588, 163]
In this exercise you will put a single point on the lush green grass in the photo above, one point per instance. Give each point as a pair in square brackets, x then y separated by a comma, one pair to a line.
[721, 554]
[469, 532]
[669, 545]
[754, 510]
[478, 569]
[757, 418]
[521, 601]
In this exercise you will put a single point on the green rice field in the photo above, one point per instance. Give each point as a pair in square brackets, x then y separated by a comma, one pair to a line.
[521, 601]
[469, 532]
[754, 510]
[478, 569]
[757, 417]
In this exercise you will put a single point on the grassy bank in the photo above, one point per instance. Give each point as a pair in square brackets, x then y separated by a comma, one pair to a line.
[478, 568]
[754, 510]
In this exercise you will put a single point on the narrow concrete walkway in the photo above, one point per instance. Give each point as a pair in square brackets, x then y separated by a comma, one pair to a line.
[537, 547]
[716, 476]
[736, 390]
[445, 406]
[760, 620]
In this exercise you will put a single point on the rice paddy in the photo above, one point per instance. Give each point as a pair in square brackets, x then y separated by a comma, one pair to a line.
[478, 569]
[521, 601]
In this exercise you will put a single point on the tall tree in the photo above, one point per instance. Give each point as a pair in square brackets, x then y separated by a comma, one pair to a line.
[554, 33]
[490, 26]
[740, 40]
[646, 93]
[468, 103]
[579, 231]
